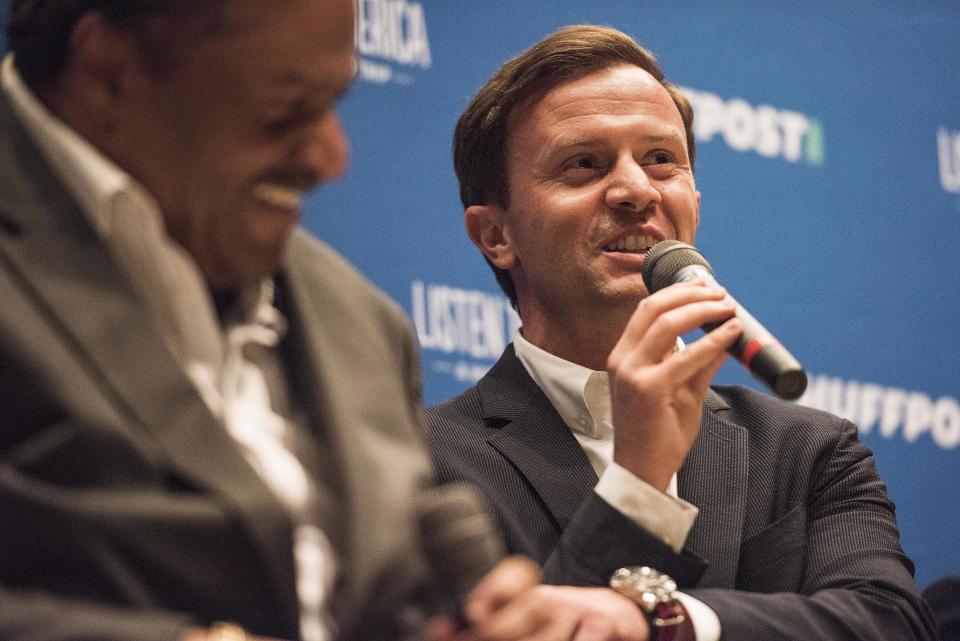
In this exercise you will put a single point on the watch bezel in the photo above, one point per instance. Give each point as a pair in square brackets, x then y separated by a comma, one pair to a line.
[654, 593]
[644, 586]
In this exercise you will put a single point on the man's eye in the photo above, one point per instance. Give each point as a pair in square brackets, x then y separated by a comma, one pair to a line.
[277, 124]
[289, 119]
[661, 158]
[280, 123]
[584, 162]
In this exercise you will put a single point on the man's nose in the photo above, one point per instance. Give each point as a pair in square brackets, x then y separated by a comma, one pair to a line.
[630, 188]
[324, 148]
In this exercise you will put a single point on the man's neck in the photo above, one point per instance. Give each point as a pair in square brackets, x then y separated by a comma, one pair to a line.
[582, 342]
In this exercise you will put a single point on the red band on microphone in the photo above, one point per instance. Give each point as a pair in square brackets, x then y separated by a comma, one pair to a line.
[753, 348]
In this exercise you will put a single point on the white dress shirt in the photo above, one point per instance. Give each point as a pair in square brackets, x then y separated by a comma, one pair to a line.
[582, 399]
[169, 284]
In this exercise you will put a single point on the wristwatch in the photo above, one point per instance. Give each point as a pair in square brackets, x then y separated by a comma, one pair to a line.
[654, 592]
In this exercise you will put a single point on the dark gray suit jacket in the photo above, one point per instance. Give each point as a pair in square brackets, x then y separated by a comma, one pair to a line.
[126, 511]
[943, 595]
[796, 538]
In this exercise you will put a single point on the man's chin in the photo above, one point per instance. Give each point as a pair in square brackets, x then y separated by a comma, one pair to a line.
[628, 283]
[627, 290]
[238, 267]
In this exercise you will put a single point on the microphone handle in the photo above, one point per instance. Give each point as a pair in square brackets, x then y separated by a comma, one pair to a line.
[460, 542]
[756, 348]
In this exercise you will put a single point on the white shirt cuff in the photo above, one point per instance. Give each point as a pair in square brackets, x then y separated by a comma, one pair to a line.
[706, 625]
[669, 518]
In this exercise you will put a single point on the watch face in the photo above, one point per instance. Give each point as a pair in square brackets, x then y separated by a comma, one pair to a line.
[653, 592]
[645, 586]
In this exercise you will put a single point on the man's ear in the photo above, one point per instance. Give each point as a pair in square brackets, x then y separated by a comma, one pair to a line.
[98, 69]
[488, 228]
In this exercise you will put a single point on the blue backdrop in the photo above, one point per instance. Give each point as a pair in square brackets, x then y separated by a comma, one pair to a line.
[828, 161]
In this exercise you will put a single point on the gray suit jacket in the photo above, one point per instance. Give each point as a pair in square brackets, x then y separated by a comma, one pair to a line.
[795, 539]
[126, 511]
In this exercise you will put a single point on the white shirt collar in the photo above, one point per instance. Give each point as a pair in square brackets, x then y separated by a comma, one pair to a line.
[582, 398]
[580, 395]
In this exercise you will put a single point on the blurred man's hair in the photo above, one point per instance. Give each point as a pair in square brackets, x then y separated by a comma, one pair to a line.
[39, 31]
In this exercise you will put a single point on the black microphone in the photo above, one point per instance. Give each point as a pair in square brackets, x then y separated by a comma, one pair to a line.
[459, 540]
[671, 261]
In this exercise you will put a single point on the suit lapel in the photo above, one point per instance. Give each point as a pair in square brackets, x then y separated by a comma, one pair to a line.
[356, 393]
[535, 439]
[714, 478]
[61, 263]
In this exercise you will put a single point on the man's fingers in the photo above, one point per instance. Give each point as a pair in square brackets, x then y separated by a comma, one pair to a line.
[700, 380]
[701, 359]
[652, 331]
[522, 617]
[549, 613]
[510, 578]
[661, 338]
[595, 629]
[561, 629]
[666, 299]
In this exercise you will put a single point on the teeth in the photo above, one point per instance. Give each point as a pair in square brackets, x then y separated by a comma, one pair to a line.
[278, 196]
[634, 243]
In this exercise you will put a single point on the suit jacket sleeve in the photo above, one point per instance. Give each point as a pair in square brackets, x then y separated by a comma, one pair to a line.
[856, 582]
[600, 539]
[943, 596]
[40, 616]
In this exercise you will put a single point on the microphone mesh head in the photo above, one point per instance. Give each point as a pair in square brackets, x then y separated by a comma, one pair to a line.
[665, 259]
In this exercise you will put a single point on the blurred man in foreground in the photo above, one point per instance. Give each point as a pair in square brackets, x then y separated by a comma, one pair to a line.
[198, 426]
[209, 426]
[607, 455]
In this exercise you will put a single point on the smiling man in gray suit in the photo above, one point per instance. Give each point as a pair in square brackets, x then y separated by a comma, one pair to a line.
[606, 453]
[207, 415]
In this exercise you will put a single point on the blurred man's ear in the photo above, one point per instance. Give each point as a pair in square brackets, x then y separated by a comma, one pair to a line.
[100, 64]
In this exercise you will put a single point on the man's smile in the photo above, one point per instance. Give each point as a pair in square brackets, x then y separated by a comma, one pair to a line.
[633, 244]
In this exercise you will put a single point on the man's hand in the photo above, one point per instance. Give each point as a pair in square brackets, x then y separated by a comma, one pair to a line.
[657, 392]
[510, 604]
[221, 633]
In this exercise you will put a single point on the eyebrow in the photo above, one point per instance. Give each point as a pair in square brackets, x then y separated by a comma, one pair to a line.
[566, 145]
[333, 91]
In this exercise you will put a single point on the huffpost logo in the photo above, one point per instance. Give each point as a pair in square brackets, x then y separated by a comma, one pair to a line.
[888, 411]
[762, 129]
[948, 148]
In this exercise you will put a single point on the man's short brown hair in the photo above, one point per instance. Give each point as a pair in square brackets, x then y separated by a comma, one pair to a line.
[482, 133]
